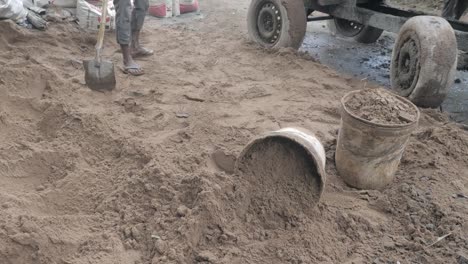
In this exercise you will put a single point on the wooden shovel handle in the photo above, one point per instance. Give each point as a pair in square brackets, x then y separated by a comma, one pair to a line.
[102, 28]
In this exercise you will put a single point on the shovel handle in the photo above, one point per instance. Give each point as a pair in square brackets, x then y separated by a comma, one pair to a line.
[102, 28]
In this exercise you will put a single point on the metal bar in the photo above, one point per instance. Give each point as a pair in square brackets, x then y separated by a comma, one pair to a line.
[388, 18]
[310, 19]
[462, 40]
[389, 22]
[458, 25]
[369, 17]
[393, 11]
[329, 2]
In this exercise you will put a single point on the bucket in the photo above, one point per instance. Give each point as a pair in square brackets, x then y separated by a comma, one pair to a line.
[287, 158]
[187, 6]
[369, 153]
[160, 8]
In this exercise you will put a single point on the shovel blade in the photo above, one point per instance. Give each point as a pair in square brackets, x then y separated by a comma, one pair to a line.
[99, 78]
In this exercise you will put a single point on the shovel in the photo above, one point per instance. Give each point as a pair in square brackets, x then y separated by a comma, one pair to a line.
[99, 74]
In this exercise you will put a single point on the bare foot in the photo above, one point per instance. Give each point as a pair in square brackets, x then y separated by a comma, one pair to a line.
[141, 52]
[133, 68]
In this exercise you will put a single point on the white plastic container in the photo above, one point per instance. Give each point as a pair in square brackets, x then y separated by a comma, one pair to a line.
[313, 152]
[57, 3]
[89, 15]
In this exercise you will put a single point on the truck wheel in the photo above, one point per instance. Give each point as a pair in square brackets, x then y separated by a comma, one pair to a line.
[277, 23]
[350, 29]
[424, 60]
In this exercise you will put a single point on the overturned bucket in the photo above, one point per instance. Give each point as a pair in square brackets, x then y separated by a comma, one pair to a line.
[288, 161]
[369, 151]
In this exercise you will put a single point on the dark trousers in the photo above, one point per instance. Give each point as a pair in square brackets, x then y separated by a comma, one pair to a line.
[129, 19]
[454, 9]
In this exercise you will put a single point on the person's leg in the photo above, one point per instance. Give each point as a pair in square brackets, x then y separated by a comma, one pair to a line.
[449, 11]
[123, 32]
[461, 8]
[138, 19]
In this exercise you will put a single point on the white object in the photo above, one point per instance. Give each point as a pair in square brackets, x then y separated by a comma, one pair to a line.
[58, 3]
[42, 3]
[89, 16]
[13, 9]
[312, 142]
[307, 140]
[64, 3]
[175, 8]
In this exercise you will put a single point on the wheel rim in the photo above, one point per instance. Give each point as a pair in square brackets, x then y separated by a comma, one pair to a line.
[407, 66]
[348, 28]
[269, 22]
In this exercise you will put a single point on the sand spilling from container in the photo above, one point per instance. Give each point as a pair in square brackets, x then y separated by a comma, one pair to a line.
[126, 177]
[283, 181]
[381, 107]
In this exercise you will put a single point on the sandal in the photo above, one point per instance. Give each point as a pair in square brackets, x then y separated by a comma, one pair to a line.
[142, 52]
[132, 70]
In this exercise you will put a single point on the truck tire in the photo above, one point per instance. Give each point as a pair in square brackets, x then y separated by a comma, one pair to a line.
[350, 29]
[424, 60]
[277, 23]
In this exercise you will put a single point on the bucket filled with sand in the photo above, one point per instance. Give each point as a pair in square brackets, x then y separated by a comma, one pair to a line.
[286, 163]
[375, 128]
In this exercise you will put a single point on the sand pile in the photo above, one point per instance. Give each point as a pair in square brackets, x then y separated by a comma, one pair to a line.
[381, 107]
[121, 177]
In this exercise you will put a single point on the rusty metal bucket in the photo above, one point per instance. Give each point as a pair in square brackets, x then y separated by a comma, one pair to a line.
[368, 154]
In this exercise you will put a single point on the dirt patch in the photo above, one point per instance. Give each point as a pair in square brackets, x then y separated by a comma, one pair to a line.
[381, 107]
[224, 161]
